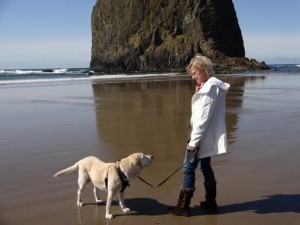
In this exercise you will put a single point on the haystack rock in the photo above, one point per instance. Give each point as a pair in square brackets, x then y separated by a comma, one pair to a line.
[163, 35]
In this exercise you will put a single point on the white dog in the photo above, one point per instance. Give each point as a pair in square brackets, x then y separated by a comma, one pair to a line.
[112, 177]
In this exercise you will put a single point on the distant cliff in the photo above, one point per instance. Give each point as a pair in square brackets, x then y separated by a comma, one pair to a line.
[163, 35]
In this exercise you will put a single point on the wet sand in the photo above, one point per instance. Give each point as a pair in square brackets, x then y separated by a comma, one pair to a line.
[47, 127]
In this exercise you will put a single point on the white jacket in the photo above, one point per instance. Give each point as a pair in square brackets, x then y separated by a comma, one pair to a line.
[208, 119]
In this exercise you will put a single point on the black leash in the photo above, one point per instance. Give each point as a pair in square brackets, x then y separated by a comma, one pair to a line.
[161, 183]
[190, 157]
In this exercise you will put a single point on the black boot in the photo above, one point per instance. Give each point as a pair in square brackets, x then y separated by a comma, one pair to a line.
[183, 205]
[210, 197]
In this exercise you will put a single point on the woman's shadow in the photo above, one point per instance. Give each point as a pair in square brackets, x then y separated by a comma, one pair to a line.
[280, 203]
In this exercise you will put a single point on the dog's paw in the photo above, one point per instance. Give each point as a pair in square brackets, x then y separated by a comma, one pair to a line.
[126, 210]
[80, 204]
[109, 216]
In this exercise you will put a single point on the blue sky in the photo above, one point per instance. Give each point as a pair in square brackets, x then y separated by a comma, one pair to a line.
[270, 29]
[57, 33]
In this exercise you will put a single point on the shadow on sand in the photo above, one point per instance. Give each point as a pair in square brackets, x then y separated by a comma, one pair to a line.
[280, 203]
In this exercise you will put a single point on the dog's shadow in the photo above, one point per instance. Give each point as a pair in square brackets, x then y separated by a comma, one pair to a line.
[140, 206]
[147, 206]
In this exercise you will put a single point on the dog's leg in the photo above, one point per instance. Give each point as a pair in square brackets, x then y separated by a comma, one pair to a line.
[98, 201]
[122, 203]
[108, 204]
[79, 201]
[82, 181]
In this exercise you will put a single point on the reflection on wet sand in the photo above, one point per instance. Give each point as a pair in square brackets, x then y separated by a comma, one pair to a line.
[234, 102]
[154, 115]
[149, 116]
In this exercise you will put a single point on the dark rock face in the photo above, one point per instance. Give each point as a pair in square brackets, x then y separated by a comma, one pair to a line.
[163, 35]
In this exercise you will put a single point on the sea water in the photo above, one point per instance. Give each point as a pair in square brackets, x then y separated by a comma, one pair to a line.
[23, 76]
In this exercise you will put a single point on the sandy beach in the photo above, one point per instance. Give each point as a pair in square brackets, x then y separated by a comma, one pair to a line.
[48, 127]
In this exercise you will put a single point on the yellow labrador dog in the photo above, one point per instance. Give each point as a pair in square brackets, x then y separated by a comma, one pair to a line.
[112, 177]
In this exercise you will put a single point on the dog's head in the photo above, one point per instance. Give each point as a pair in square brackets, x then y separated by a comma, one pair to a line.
[140, 159]
[134, 163]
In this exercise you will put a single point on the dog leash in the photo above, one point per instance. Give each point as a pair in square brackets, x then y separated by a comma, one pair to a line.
[161, 183]
[190, 157]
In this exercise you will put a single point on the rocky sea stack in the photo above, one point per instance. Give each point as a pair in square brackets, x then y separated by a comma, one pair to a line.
[163, 35]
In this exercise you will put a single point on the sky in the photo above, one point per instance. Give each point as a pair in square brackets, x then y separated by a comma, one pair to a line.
[57, 33]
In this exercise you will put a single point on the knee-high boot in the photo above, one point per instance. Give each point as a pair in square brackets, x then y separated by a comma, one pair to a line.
[183, 205]
[210, 197]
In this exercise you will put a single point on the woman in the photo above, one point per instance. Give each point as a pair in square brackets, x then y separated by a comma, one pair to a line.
[208, 134]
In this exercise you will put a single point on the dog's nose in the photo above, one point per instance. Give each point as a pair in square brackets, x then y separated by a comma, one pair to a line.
[151, 156]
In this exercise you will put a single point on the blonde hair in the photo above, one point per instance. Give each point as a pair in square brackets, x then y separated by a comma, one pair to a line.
[201, 62]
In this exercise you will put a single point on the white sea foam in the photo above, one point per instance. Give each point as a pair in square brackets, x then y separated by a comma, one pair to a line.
[28, 71]
[102, 77]
[32, 81]
[60, 71]
[21, 72]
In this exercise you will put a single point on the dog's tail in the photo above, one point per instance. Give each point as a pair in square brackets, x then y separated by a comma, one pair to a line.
[68, 170]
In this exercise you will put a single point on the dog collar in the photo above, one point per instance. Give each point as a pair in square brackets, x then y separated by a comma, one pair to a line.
[123, 177]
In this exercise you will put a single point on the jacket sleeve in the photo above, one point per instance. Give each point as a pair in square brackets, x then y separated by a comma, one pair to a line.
[202, 115]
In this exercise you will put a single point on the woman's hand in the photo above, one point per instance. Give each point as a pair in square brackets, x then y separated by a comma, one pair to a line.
[190, 148]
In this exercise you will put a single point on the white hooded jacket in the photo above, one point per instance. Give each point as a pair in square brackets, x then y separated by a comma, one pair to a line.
[208, 119]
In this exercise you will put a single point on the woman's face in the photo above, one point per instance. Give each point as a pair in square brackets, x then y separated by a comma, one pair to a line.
[199, 75]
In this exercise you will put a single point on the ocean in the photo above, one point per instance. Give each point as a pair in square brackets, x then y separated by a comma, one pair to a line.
[25, 76]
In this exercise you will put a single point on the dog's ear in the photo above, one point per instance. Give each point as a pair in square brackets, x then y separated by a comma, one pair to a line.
[138, 160]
